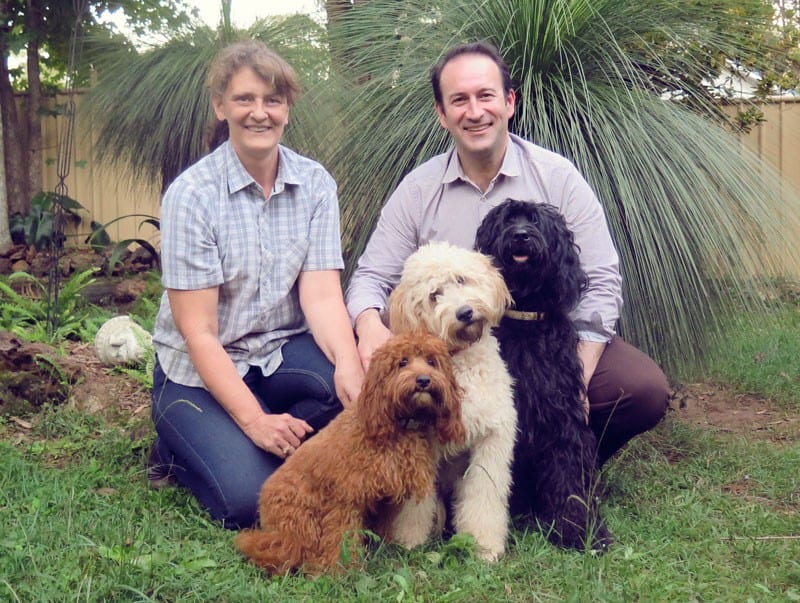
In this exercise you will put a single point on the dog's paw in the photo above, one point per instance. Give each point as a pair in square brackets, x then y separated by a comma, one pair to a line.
[489, 555]
[601, 540]
[415, 522]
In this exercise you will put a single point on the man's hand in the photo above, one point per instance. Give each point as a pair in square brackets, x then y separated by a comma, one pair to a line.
[372, 334]
[589, 353]
[279, 434]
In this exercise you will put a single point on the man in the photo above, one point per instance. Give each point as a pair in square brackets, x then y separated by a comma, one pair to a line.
[447, 197]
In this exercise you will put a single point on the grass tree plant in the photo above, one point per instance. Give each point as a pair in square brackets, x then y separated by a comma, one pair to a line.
[698, 220]
[151, 108]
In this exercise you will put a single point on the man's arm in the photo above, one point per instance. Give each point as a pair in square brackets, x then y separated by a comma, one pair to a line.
[396, 236]
[589, 353]
[599, 308]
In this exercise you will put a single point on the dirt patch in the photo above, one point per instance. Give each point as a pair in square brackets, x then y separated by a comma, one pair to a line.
[712, 407]
[105, 392]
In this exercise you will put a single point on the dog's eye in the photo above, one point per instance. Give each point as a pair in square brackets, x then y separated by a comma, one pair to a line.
[460, 280]
[403, 362]
[435, 295]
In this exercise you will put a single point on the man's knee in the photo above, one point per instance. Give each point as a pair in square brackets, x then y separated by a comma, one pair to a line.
[650, 395]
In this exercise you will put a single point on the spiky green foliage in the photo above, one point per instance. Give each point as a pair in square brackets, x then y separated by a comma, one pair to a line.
[39, 316]
[151, 110]
[696, 218]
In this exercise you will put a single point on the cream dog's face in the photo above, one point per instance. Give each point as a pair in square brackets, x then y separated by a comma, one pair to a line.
[453, 293]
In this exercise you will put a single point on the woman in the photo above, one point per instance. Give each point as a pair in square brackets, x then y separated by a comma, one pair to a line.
[255, 351]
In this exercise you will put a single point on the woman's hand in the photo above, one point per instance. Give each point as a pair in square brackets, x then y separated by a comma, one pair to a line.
[348, 378]
[279, 434]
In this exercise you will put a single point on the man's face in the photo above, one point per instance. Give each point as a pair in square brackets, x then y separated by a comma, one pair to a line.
[475, 109]
[255, 113]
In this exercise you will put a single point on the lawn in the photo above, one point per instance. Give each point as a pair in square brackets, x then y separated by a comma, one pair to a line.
[706, 507]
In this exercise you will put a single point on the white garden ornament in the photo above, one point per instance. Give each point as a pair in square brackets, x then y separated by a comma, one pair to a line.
[121, 341]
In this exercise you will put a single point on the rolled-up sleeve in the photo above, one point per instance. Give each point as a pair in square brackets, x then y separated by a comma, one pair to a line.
[396, 236]
[597, 313]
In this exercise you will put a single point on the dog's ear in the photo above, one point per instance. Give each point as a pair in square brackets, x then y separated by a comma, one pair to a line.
[572, 280]
[375, 398]
[449, 426]
[489, 231]
[401, 318]
[502, 296]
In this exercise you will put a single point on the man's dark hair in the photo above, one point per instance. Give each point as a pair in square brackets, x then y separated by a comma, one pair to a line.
[485, 48]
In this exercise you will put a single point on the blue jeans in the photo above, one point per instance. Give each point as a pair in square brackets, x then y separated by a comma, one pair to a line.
[213, 457]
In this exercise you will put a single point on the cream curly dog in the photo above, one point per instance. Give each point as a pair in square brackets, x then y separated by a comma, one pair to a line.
[458, 295]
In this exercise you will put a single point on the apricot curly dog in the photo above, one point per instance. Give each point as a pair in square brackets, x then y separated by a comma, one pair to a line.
[371, 458]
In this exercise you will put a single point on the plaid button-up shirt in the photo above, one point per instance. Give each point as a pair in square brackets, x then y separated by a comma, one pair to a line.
[218, 230]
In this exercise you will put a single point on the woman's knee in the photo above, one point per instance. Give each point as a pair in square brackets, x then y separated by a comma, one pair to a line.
[231, 500]
[239, 511]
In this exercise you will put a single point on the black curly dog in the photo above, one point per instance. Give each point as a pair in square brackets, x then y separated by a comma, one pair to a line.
[555, 460]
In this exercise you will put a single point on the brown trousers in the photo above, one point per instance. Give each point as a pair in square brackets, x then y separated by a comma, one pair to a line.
[628, 395]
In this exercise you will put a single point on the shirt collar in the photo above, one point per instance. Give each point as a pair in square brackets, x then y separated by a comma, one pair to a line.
[510, 166]
[239, 178]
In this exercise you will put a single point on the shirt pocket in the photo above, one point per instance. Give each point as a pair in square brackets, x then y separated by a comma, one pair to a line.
[280, 274]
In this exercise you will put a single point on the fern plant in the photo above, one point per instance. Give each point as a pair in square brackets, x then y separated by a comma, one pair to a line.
[36, 316]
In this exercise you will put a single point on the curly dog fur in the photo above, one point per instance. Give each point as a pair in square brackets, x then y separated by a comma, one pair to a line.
[459, 296]
[370, 459]
[555, 466]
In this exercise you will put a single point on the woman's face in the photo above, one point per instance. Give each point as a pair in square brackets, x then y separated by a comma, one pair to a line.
[256, 115]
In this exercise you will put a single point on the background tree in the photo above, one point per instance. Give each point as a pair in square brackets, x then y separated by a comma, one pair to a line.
[43, 30]
[689, 208]
[152, 109]
[5, 235]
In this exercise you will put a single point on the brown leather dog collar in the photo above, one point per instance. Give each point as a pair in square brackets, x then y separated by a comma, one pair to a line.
[520, 315]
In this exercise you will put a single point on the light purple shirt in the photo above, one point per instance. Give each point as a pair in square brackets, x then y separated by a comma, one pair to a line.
[217, 230]
[437, 202]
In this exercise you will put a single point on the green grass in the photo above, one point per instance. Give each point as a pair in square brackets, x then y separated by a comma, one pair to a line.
[763, 356]
[696, 515]
[695, 519]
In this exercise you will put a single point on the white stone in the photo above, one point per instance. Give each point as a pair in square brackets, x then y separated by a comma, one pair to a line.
[121, 341]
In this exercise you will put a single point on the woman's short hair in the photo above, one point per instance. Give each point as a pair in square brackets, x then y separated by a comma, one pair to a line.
[268, 65]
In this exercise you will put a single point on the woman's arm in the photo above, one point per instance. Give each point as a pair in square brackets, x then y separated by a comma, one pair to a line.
[322, 302]
[195, 315]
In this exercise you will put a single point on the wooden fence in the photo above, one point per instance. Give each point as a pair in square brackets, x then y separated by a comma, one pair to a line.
[108, 194]
[777, 139]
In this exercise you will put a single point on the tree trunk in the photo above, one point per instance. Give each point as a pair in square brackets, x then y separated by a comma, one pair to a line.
[14, 151]
[34, 112]
[5, 235]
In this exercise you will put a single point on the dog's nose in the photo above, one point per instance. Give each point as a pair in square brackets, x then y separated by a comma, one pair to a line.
[521, 236]
[464, 314]
[423, 381]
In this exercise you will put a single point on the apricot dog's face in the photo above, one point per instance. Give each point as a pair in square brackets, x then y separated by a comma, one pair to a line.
[410, 384]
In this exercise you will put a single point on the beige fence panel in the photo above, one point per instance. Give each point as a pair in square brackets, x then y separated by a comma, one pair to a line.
[778, 138]
[106, 193]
